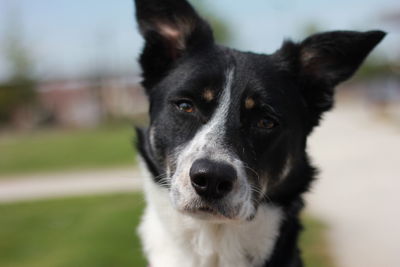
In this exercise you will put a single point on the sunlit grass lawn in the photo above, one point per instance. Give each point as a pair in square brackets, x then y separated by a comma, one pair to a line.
[95, 232]
[60, 150]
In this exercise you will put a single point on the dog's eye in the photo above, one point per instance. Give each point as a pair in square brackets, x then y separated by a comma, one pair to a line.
[266, 123]
[185, 106]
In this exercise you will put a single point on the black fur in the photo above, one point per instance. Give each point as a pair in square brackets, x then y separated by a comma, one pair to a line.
[144, 150]
[292, 87]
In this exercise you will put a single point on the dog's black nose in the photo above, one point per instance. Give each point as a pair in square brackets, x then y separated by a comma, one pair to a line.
[212, 180]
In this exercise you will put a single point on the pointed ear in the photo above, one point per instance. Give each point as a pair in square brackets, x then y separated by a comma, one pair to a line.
[324, 60]
[333, 57]
[170, 29]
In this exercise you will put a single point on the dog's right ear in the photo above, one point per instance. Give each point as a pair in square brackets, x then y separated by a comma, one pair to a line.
[170, 28]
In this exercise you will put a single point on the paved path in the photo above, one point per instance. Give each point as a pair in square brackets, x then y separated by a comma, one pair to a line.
[67, 184]
[358, 193]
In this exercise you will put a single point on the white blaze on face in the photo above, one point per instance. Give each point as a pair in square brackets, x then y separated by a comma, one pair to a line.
[209, 143]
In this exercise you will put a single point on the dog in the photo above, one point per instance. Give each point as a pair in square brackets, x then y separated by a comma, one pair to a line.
[226, 145]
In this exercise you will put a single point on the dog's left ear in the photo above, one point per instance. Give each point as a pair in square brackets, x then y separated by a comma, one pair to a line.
[324, 60]
[170, 28]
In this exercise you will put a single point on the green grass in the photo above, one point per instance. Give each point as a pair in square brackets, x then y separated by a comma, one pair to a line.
[95, 232]
[89, 231]
[314, 243]
[55, 150]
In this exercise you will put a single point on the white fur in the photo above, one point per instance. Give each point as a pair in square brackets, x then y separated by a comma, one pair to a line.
[172, 239]
[287, 168]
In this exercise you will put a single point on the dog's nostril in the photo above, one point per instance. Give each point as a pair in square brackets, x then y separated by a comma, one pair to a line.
[224, 186]
[200, 181]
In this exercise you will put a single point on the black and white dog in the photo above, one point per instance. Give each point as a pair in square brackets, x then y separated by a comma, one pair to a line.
[226, 146]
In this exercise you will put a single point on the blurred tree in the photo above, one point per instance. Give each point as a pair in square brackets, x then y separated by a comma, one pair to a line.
[392, 17]
[376, 66]
[221, 30]
[18, 91]
[310, 28]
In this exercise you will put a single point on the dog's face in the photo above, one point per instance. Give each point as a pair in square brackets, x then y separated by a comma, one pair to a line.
[220, 136]
[228, 128]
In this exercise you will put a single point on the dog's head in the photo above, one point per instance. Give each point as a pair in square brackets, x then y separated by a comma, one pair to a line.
[228, 128]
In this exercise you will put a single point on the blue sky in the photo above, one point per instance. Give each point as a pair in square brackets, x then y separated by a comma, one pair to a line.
[73, 37]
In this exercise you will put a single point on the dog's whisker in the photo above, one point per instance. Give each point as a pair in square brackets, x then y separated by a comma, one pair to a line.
[163, 180]
[256, 190]
[252, 170]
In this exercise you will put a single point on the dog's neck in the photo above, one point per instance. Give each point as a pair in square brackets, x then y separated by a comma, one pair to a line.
[173, 239]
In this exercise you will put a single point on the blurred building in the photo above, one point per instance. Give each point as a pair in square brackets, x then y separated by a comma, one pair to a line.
[89, 102]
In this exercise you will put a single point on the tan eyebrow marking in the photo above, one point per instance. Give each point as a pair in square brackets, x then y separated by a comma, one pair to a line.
[249, 103]
[208, 95]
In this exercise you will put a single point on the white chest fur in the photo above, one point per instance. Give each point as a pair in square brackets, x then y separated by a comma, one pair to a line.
[171, 239]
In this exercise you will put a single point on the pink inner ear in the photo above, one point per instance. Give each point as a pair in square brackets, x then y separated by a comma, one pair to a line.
[174, 37]
[307, 56]
[175, 33]
[313, 64]
[169, 32]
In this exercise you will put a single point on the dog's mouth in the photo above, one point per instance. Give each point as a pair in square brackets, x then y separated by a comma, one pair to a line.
[212, 212]
[208, 212]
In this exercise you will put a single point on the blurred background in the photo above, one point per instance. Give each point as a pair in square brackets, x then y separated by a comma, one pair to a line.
[70, 94]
